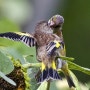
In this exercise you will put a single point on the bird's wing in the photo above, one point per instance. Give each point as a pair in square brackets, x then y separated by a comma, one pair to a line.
[52, 47]
[26, 38]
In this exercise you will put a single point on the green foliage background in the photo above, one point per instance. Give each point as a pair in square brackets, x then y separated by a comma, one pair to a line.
[76, 31]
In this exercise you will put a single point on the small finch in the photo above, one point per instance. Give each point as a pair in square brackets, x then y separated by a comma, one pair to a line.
[56, 23]
[49, 43]
[43, 39]
[44, 36]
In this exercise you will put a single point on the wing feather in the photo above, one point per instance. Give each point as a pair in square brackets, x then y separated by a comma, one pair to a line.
[26, 38]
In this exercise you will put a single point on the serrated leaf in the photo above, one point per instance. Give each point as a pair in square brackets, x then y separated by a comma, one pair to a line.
[6, 66]
[75, 80]
[7, 79]
[79, 68]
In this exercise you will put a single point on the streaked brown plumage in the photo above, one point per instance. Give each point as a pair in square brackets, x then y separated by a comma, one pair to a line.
[44, 35]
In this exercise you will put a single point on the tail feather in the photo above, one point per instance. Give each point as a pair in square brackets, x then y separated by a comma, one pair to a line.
[70, 81]
[53, 74]
[48, 74]
[64, 67]
[42, 76]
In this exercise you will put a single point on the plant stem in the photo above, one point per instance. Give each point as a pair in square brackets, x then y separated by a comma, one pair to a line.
[28, 65]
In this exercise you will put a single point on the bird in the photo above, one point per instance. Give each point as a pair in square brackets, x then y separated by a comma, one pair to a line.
[56, 23]
[42, 39]
[44, 36]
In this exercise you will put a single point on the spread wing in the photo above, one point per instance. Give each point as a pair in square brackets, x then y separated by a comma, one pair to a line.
[26, 38]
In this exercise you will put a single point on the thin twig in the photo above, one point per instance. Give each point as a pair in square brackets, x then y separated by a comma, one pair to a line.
[28, 65]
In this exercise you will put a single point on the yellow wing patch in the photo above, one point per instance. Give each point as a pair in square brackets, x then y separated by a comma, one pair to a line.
[57, 44]
[26, 34]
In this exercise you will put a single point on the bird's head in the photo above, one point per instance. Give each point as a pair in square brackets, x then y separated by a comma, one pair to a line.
[56, 21]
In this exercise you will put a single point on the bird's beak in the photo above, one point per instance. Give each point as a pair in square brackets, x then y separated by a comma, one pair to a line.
[50, 23]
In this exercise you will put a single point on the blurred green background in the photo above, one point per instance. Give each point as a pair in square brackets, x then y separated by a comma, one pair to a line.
[24, 14]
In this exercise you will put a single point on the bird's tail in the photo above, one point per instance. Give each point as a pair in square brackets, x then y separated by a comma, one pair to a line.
[61, 64]
[48, 74]
[69, 78]
[70, 81]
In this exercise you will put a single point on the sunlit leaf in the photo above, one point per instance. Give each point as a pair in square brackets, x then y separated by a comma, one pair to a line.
[53, 85]
[6, 66]
[43, 86]
[7, 79]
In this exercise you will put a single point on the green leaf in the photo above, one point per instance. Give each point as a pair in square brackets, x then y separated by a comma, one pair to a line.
[17, 49]
[6, 66]
[7, 79]
[75, 80]
[53, 85]
[66, 58]
[88, 85]
[79, 68]
[43, 86]
[32, 72]
[13, 53]
[31, 58]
